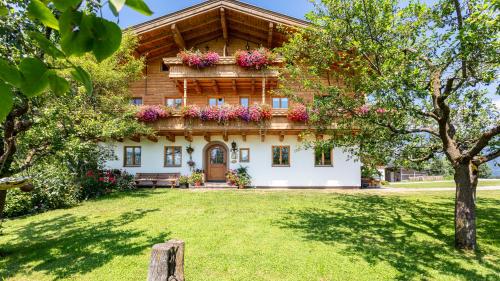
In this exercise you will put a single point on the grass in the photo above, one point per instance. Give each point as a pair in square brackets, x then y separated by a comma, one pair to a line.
[440, 184]
[255, 235]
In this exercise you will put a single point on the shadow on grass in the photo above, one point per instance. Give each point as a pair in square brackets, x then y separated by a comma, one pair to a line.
[69, 244]
[412, 236]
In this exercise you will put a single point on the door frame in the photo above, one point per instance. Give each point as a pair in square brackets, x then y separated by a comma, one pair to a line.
[206, 156]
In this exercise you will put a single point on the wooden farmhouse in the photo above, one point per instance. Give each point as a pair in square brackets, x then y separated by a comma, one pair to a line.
[223, 109]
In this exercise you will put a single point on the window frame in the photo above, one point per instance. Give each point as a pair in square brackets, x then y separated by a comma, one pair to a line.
[323, 159]
[161, 67]
[281, 156]
[173, 147]
[216, 101]
[248, 151]
[175, 107]
[245, 97]
[134, 164]
[280, 102]
[136, 98]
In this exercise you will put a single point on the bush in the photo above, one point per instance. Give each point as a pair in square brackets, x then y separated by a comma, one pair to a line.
[196, 179]
[100, 182]
[239, 177]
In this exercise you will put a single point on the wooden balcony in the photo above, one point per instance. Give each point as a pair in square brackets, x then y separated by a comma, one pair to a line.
[225, 68]
[178, 126]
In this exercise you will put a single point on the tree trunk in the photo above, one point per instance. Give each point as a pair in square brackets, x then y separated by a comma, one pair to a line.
[465, 206]
[167, 262]
[3, 196]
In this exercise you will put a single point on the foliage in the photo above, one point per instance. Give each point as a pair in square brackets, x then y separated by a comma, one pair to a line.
[151, 113]
[101, 182]
[198, 59]
[257, 59]
[196, 179]
[183, 180]
[31, 73]
[414, 79]
[298, 113]
[238, 177]
[391, 236]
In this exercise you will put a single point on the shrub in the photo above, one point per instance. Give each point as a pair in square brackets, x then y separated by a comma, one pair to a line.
[198, 59]
[183, 180]
[100, 182]
[238, 177]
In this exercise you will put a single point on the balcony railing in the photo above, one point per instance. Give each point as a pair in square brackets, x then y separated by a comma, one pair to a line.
[225, 68]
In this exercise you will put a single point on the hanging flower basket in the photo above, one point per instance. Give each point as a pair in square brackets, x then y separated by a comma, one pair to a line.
[197, 59]
[257, 59]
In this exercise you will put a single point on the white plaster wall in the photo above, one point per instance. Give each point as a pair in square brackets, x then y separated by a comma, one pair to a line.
[301, 173]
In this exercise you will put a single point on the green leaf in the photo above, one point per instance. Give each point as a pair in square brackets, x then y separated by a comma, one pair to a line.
[82, 76]
[9, 73]
[6, 100]
[46, 45]
[57, 84]
[63, 5]
[34, 73]
[38, 10]
[107, 38]
[139, 6]
[76, 34]
[116, 6]
[3, 11]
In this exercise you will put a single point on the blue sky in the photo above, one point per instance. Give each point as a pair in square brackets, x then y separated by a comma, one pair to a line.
[128, 17]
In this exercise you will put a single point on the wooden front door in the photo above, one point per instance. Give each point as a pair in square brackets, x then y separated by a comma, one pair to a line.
[216, 163]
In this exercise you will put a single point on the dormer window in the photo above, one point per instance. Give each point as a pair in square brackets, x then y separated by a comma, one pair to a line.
[165, 67]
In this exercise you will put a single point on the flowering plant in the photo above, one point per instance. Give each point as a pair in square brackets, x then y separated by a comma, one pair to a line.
[238, 177]
[259, 113]
[190, 112]
[98, 182]
[198, 59]
[256, 59]
[196, 179]
[151, 113]
[298, 114]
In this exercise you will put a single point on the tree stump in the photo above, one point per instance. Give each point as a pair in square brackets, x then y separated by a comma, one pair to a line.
[167, 262]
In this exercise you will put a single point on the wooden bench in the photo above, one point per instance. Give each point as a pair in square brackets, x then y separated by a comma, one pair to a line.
[157, 179]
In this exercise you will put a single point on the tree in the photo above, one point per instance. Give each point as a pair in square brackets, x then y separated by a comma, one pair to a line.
[407, 82]
[41, 111]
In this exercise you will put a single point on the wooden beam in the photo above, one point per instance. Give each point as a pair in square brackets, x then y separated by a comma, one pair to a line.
[282, 136]
[225, 136]
[215, 87]
[185, 91]
[270, 35]
[262, 137]
[152, 138]
[263, 90]
[299, 137]
[207, 137]
[170, 137]
[188, 136]
[135, 138]
[119, 139]
[253, 86]
[235, 89]
[224, 23]
[178, 37]
[244, 136]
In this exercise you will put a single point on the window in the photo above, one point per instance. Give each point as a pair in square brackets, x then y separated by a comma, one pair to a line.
[215, 101]
[244, 155]
[280, 103]
[281, 156]
[164, 67]
[323, 157]
[173, 156]
[132, 156]
[136, 101]
[217, 155]
[176, 103]
[244, 102]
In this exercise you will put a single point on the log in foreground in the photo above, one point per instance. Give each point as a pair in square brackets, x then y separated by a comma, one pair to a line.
[167, 262]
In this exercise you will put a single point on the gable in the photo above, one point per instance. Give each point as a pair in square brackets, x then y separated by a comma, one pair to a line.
[225, 20]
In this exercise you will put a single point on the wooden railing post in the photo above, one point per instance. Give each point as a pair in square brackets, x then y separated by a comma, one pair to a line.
[167, 262]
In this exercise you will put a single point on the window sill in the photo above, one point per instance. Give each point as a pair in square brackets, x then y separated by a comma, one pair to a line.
[281, 166]
[132, 166]
[323, 166]
[165, 166]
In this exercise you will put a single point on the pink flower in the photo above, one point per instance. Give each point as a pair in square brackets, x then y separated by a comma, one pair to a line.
[381, 110]
[190, 112]
[298, 114]
[256, 59]
[198, 59]
[151, 113]
[363, 110]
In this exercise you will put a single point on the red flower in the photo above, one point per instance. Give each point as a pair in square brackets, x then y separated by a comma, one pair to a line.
[90, 173]
[101, 179]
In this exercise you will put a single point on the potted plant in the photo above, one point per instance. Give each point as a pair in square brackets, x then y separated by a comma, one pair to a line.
[196, 179]
[183, 182]
[189, 149]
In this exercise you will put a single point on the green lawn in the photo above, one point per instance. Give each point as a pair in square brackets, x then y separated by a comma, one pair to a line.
[255, 235]
[440, 184]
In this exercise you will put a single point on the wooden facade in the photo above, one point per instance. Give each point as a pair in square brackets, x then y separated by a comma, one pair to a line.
[223, 26]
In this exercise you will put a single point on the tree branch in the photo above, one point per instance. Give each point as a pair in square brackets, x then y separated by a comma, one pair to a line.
[482, 142]
[486, 158]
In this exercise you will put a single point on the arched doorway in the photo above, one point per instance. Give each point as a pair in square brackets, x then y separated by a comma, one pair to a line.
[216, 161]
